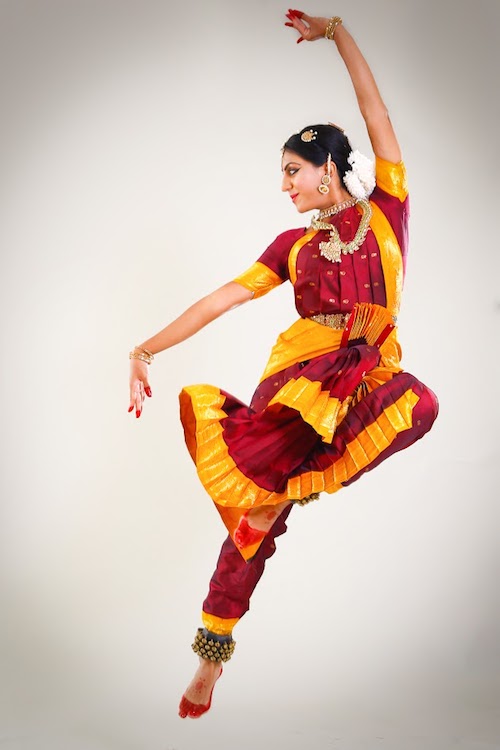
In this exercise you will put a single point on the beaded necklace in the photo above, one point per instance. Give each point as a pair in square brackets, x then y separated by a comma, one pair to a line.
[335, 247]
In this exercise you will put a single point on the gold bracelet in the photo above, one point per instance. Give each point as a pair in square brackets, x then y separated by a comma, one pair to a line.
[146, 351]
[143, 354]
[138, 355]
[331, 27]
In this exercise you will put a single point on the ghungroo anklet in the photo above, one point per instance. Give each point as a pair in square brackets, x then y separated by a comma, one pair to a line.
[213, 647]
[307, 499]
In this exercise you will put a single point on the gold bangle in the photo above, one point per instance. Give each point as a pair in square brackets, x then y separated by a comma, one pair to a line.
[146, 351]
[139, 352]
[331, 27]
[140, 355]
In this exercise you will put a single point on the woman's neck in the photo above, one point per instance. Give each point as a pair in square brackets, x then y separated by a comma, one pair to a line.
[338, 195]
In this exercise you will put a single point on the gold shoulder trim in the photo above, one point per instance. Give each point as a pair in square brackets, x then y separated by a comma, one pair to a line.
[391, 178]
[259, 279]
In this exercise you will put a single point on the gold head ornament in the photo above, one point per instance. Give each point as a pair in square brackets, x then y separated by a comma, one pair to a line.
[309, 135]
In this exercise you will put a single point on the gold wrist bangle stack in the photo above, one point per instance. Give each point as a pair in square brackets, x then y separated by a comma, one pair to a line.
[138, 352]
[331, 27]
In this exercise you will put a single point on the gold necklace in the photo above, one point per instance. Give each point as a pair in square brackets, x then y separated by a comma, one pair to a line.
[336, 208]
[335, 247]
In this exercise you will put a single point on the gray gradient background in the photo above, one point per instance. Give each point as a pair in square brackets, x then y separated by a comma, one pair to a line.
[139, 170]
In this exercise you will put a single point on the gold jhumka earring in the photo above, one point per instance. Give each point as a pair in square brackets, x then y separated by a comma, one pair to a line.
[326, 179]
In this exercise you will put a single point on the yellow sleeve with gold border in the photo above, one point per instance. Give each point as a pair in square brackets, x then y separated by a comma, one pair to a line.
[391, 178]
[259, 279]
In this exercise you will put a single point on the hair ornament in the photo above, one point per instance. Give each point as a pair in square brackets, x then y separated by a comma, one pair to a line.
[360, 180]
[308, 136]
[337, 127]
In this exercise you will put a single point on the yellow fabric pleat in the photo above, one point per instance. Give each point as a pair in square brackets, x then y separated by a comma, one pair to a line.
[392, 178]
[218, 473]
[390, 256]
[315, 406]
[361, 451]
[218, 625]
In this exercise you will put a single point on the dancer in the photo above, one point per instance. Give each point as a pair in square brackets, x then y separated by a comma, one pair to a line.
[333, 401]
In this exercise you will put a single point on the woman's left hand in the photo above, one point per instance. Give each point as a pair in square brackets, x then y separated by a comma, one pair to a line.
[313, 28]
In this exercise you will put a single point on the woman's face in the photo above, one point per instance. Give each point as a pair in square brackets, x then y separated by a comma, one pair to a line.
[301, 179]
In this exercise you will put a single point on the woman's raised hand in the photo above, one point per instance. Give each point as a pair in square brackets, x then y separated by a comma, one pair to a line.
[139, 385]
[313, 28]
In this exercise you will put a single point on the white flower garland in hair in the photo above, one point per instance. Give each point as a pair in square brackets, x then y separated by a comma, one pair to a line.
[360, 180]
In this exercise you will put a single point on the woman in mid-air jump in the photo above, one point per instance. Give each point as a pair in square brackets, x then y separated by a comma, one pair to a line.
[333, 401]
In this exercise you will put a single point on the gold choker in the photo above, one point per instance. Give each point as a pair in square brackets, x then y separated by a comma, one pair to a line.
[336, 209]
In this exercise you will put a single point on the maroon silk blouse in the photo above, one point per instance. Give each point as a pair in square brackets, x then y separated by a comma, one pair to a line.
[326, 287]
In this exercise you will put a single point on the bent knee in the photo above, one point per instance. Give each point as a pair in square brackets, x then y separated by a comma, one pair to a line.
[427, 408]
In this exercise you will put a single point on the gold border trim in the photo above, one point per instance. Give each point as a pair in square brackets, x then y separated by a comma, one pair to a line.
[392, 260]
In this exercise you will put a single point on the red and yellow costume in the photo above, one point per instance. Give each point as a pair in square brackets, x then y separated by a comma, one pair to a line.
[326, 409]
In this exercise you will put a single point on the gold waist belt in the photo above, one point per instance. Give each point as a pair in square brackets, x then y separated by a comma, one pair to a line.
[332, 320]
[367, 321]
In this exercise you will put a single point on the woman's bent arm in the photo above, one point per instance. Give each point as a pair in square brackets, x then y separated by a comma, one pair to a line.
[371, 104]
[198, 316]
[192, 320]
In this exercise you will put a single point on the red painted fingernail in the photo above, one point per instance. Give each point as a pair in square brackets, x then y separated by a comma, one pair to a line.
[298, 13]
[289, 24]
[138, 413]
[148, 391]
[300, 39]
[289, 15]
[130, 409]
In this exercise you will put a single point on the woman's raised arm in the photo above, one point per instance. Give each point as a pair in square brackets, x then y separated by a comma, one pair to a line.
[371, 104]
[192, 320]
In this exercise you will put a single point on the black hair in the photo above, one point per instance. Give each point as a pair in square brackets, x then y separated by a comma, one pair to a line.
[328, 139]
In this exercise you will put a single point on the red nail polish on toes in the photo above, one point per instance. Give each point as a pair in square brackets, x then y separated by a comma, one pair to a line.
[195, 710]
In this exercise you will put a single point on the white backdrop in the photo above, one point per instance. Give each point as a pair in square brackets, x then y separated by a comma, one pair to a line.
[140, 169]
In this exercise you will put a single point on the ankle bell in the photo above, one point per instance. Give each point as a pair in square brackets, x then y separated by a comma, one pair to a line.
[213, 647]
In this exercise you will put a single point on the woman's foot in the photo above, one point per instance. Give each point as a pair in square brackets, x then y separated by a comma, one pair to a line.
[198, 697]
[255, 524]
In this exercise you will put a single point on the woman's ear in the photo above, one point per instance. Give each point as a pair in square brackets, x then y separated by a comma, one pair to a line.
[333, 171]
[330, 167]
